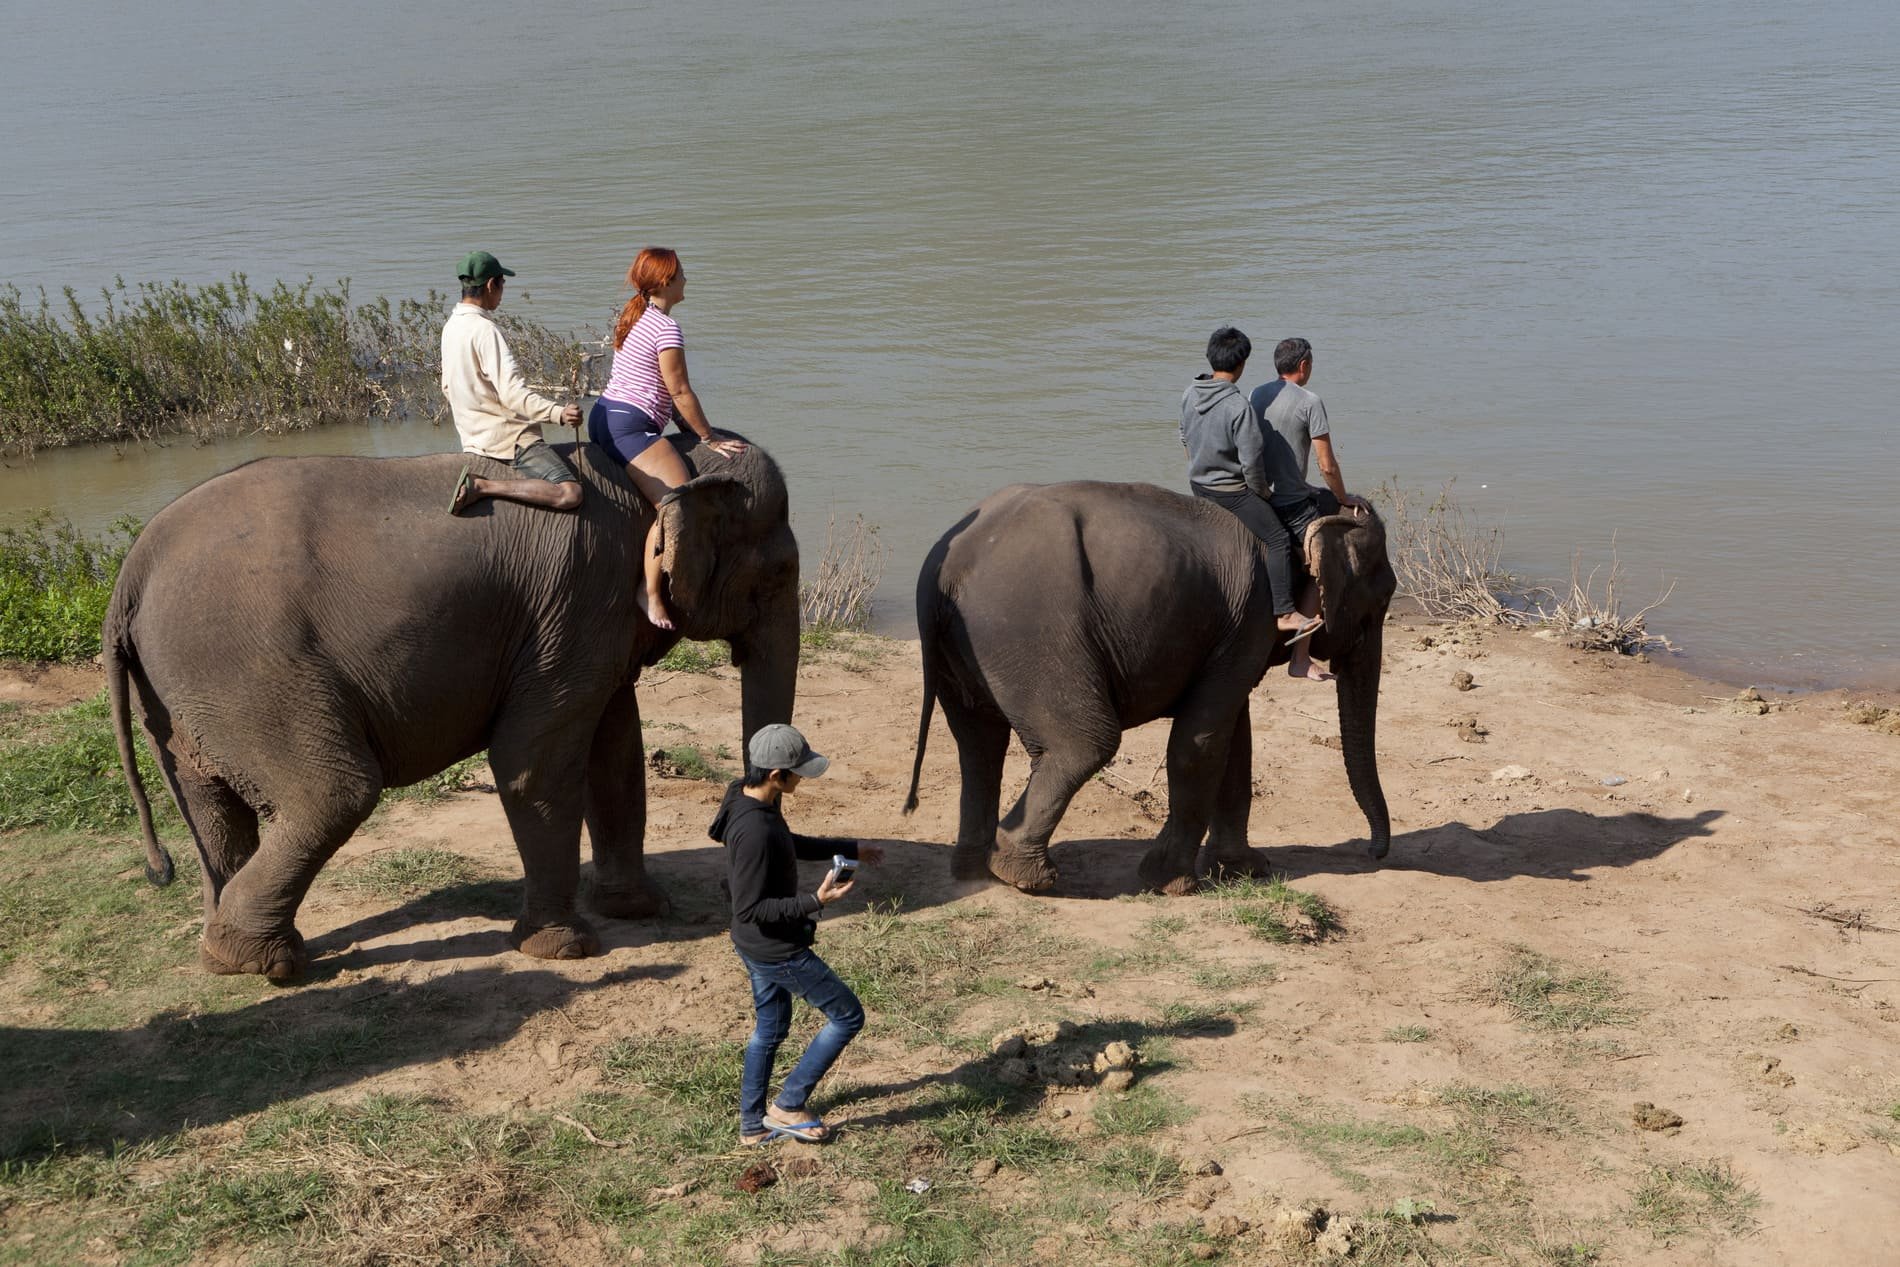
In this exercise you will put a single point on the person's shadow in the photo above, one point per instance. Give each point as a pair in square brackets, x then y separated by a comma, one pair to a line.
[1557, 844]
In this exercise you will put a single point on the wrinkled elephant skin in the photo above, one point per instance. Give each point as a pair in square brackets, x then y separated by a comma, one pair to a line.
[1069, 613]
[299, 634]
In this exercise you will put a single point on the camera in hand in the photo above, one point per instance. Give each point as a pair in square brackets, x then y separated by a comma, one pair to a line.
[844, 868]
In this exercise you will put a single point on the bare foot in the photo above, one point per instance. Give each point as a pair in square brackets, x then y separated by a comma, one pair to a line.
[657, 613]
[798, 1124]
[467, 490]
[1309, 671]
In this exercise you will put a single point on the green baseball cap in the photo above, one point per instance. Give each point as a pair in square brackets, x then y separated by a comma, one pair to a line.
[480, 266]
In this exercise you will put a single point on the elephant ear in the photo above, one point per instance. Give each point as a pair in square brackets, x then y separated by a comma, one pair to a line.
[1346, 555]
[697, 520]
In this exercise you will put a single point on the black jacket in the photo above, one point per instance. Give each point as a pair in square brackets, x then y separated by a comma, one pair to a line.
[771, 919]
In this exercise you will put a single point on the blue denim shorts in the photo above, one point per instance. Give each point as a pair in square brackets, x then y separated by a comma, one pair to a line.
[623, 430]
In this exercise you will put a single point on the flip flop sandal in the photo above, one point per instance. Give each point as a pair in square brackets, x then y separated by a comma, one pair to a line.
[1307, 630]
[765, 1137]
[807, 1131]
[462, 486]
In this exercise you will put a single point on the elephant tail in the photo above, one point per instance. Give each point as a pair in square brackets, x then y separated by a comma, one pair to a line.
[923, 733]
[117, 654]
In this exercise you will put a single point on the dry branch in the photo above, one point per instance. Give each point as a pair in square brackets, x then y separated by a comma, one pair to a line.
[840, 595]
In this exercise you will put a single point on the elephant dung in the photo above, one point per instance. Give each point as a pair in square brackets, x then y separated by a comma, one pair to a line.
[1336, 1238]
[984, 1168]
[1203, 1193]
[1224, 1226]
[1017, 1073]
[1008, 1046]
[1118, 1080]
[1462, 681]
[1469, 728]
[757, 1178]
[1648, 1117]
[1295, 1226]
[1117, 1055]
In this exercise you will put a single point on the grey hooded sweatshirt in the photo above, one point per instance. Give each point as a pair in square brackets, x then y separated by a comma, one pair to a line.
[1221, 433]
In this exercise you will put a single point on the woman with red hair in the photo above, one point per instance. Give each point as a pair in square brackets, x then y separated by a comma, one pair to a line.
[647, 389]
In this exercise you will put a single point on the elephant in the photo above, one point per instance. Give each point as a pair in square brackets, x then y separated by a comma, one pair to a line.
[1069, 613]
[301, 633]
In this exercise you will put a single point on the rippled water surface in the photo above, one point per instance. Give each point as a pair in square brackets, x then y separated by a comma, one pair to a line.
[1626, 271]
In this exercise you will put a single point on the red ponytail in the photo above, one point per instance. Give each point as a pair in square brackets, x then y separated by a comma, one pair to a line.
[653, 270]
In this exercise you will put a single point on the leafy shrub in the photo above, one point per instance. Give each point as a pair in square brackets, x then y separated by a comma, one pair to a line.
[55, 583]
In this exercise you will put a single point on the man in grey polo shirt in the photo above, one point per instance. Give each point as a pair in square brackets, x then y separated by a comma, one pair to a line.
[496, 413]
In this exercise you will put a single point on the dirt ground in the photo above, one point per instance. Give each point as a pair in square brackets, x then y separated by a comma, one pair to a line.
[1732, 866]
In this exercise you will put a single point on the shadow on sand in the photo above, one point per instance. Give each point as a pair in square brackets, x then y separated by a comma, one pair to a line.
[66, 1088]
[1554, 844]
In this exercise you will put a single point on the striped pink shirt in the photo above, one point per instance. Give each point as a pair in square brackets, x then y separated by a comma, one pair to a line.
[636, 374]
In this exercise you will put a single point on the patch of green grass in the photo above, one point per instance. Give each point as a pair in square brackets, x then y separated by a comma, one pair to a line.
[696, 657]
[55, 583]
[396, 873]
[1274, 911]
[1545, 995]
[1408, 1034]
[970, 1123]
[1509, 1108]
[1146, 1172]
[61, 770]
[1141, 1110]
[460, 777]
[1146, 958]
[914, 972]
[689, 761]
[1337, 1140]
[690, 1072]
[1673, 1201]
[1234, 977]
[1162, 927]
[203, 1207]
[1188, 1019]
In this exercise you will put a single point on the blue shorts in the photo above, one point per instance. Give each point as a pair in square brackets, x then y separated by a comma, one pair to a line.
[623, 430]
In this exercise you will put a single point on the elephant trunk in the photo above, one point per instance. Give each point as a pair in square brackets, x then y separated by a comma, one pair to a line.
[767, 656]
[1358, 672]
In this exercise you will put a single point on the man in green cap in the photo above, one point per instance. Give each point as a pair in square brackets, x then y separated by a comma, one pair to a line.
[495, 412]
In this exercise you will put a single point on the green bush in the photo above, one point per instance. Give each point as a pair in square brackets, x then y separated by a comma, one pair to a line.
[55, 583]
[164, 356]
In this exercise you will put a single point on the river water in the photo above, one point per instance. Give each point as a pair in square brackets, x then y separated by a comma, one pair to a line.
[1625, 270]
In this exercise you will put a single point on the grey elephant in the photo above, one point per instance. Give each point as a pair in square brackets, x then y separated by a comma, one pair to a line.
[1069, 613]
[301, 633]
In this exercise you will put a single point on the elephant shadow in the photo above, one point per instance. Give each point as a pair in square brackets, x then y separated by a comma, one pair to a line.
[1555, 844]
[62, 1089]
[695, 878]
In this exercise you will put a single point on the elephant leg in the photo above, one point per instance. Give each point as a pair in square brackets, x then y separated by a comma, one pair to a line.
[1197, 766]
[1233, 801]
[1060, 770]
[615, 806]
[254, 930]
[223, 828]
[982, 742]
[538, 764]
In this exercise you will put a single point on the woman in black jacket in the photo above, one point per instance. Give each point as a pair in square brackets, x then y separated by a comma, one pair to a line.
[773, 927]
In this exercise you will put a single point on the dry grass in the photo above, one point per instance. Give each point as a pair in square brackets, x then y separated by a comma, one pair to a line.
[1451, 567]
[839, 596]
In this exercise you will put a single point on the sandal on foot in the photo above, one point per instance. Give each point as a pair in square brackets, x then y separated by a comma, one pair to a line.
[1307, 630]
[813, 1132]
[463, 487]
[765, 1136]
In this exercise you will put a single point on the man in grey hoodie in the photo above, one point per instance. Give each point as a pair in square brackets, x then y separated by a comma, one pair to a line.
[1230, 464]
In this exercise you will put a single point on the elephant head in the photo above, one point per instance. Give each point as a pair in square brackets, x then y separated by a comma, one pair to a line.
[731, 565]
[1346, 554]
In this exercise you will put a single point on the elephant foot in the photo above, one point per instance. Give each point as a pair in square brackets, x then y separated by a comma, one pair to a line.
[230, 953]
[1242, 864]
[1161, 874]
[1028, 872]
[570, 940]
[969, 864]
[647, 901]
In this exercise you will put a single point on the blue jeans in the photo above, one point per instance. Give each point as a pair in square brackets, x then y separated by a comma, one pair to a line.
[773, 985]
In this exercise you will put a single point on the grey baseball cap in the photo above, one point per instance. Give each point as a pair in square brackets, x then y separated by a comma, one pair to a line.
[781, 747]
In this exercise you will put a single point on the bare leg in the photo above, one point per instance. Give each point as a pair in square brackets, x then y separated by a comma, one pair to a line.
[529, 492]
[656, 601]
[1301, 665]
[658, 469]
